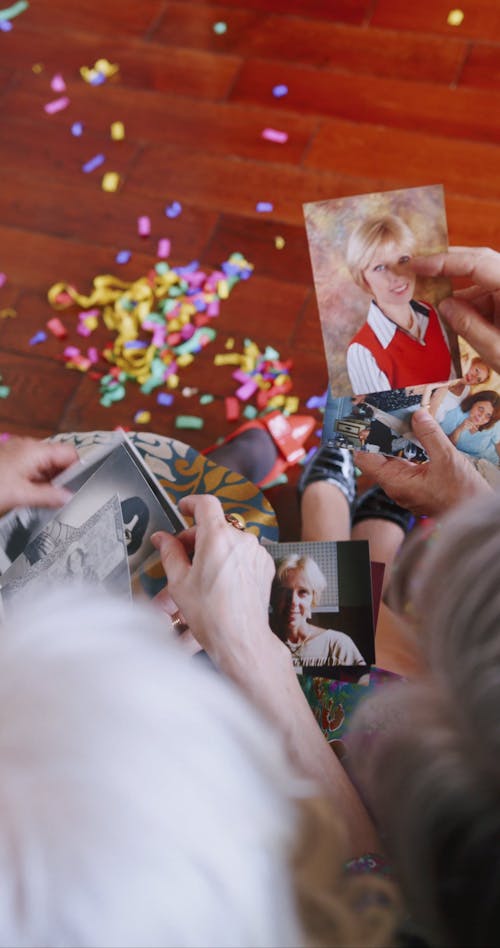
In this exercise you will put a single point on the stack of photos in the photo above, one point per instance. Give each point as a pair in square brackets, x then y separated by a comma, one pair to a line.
[322, 607]
[388, 351]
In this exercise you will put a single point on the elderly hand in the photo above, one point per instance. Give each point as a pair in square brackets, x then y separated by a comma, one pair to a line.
[473, 313]
[27, 467]
[220, 578]
[430, 489]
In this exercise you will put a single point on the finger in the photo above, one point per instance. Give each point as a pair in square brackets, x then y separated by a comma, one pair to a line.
[204, 508]
[53, 458]
[480, 264]
[433, 439]
[27, 494]
[467, 322]
[174, 558]
[373, 465]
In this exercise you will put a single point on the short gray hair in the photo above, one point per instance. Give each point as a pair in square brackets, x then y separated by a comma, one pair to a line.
[432, 772]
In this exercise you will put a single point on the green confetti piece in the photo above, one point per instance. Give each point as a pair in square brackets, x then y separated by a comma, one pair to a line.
[189, 421]
[206, 399]
[281, 479]
[250, 412]
[4, 391]
[10, 12]
[162, 267]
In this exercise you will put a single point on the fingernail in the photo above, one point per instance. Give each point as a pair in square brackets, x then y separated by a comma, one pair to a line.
[155, 539]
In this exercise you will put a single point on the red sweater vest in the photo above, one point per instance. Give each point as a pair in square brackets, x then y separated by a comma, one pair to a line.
[406, 361]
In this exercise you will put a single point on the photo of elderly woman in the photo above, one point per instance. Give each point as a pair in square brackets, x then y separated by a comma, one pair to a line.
[380, 323]
[314, 612]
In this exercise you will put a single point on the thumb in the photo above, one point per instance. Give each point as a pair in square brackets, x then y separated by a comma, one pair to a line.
[430, 434]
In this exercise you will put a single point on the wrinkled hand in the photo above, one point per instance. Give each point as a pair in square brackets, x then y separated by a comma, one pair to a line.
[27, 467]
[473, 313]
[430, 489]
[220, 578]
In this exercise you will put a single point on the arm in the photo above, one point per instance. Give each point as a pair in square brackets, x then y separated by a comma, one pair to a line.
[445, 481]
[364, 373]
[223, 592]
[27, 467]
[473, 313]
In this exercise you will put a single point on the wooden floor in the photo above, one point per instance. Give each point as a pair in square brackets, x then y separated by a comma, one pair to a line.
[381, 94]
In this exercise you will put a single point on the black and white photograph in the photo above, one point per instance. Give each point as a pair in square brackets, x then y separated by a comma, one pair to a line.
[92, 551]
[321, 604]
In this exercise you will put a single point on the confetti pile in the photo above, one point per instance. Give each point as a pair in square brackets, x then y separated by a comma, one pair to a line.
[158, 323]
[261, 375]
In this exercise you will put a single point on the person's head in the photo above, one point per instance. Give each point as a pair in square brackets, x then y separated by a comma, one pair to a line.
[378, 253]
[142, 801]
[478, 372]
[482, 408]
[75, 560]
[432, 774]
[297, 588]
[135, 515]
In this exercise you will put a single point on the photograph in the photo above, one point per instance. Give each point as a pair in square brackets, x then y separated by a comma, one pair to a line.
[145, 507]
[321, 605]
[92, 551]
[380, 323]
[380, 422]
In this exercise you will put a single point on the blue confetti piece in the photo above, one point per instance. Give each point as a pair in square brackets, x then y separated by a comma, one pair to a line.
[280, 91]
[123, 256]
[264, 207]
[173, 210]
[38, 337]
[77, 129]
[98, 79]
[93, 163]
[5, 26]
[135, 344]
[164, 399]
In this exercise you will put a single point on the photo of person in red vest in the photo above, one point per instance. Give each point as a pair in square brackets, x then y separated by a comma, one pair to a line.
[402, 342]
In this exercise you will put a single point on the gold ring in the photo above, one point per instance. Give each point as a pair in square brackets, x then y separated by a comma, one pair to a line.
[236, 521]
[178, 624]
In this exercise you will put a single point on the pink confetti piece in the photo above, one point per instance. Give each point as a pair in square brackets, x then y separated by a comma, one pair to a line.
[93, 355]
[57, 83]
[244, 392]
[71, 352]
[163, 250]
[3, 279]
[143, 226]
[274, 135]
[57, 105]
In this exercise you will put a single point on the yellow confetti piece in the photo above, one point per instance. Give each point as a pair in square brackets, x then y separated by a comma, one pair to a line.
[110, 181]
[37, 68]
[7, 313]
[232, 358]
[108, 69]
[277, 401]
[184, 360]
[91, 322]
[279, 243]
[173, 381]
[223, 289]
[291, 404]
[455, 17]
[281, 379]
[229, 343]
[142, 417]
[117, 131]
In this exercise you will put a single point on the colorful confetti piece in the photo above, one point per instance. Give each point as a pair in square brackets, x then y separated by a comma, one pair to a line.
[93, 163]
[279, 91]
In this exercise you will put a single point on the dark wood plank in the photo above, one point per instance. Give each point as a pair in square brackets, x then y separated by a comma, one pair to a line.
[223, 128]
[256, 239]
[346, 11]
[481, 20]
[406, 159]
[142, 64]
[313, 42]
[103, 19]
[422, 106]
[28, 376]
[482, 67]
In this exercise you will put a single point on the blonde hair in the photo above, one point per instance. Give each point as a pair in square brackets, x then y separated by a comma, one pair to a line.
[432, 773]
[307, 565]
[372, 235]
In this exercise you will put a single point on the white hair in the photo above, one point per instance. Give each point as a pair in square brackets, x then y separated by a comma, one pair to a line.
[431, 764]
[142, 801]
